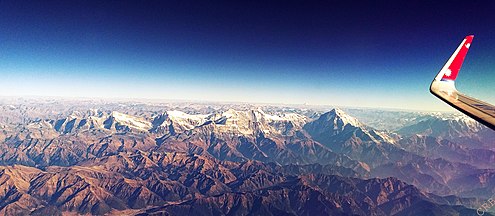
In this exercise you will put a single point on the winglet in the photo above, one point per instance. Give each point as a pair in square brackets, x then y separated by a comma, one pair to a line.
[443, 87]
[450, 70]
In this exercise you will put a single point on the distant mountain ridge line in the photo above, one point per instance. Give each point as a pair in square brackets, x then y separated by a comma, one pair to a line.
[300, 142]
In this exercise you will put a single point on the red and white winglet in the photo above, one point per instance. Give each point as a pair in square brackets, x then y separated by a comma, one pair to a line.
[443, 86]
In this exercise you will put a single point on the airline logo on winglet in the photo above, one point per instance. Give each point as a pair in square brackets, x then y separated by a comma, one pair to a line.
[451, 71]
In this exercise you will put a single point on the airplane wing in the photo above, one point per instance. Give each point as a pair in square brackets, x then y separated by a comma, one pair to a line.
[443, 86]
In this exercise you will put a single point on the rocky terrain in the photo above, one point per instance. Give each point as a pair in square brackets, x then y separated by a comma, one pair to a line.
[62, 157]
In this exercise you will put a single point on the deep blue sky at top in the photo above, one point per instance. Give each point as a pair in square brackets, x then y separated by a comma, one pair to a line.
[344, 53]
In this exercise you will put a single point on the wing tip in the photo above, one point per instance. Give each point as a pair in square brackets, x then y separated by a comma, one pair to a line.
[469, 38]
[450, 70]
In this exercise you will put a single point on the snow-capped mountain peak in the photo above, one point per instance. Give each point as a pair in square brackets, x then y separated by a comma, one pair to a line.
[130, 121]
[340, 118]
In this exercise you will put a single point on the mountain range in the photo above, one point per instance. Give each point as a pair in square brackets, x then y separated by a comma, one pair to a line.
[60, 158]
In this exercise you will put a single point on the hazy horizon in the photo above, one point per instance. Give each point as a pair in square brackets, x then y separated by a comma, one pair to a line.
[157, 101]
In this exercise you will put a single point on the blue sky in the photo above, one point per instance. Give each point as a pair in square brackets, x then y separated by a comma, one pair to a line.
[375, 54]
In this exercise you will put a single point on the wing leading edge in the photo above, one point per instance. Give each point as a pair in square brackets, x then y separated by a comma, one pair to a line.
[443, 86]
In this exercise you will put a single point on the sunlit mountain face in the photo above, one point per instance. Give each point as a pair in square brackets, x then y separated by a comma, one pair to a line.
[62, 157]
[242, 108]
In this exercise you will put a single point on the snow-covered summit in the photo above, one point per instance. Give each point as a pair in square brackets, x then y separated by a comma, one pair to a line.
[129, 121]
[340, 118]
